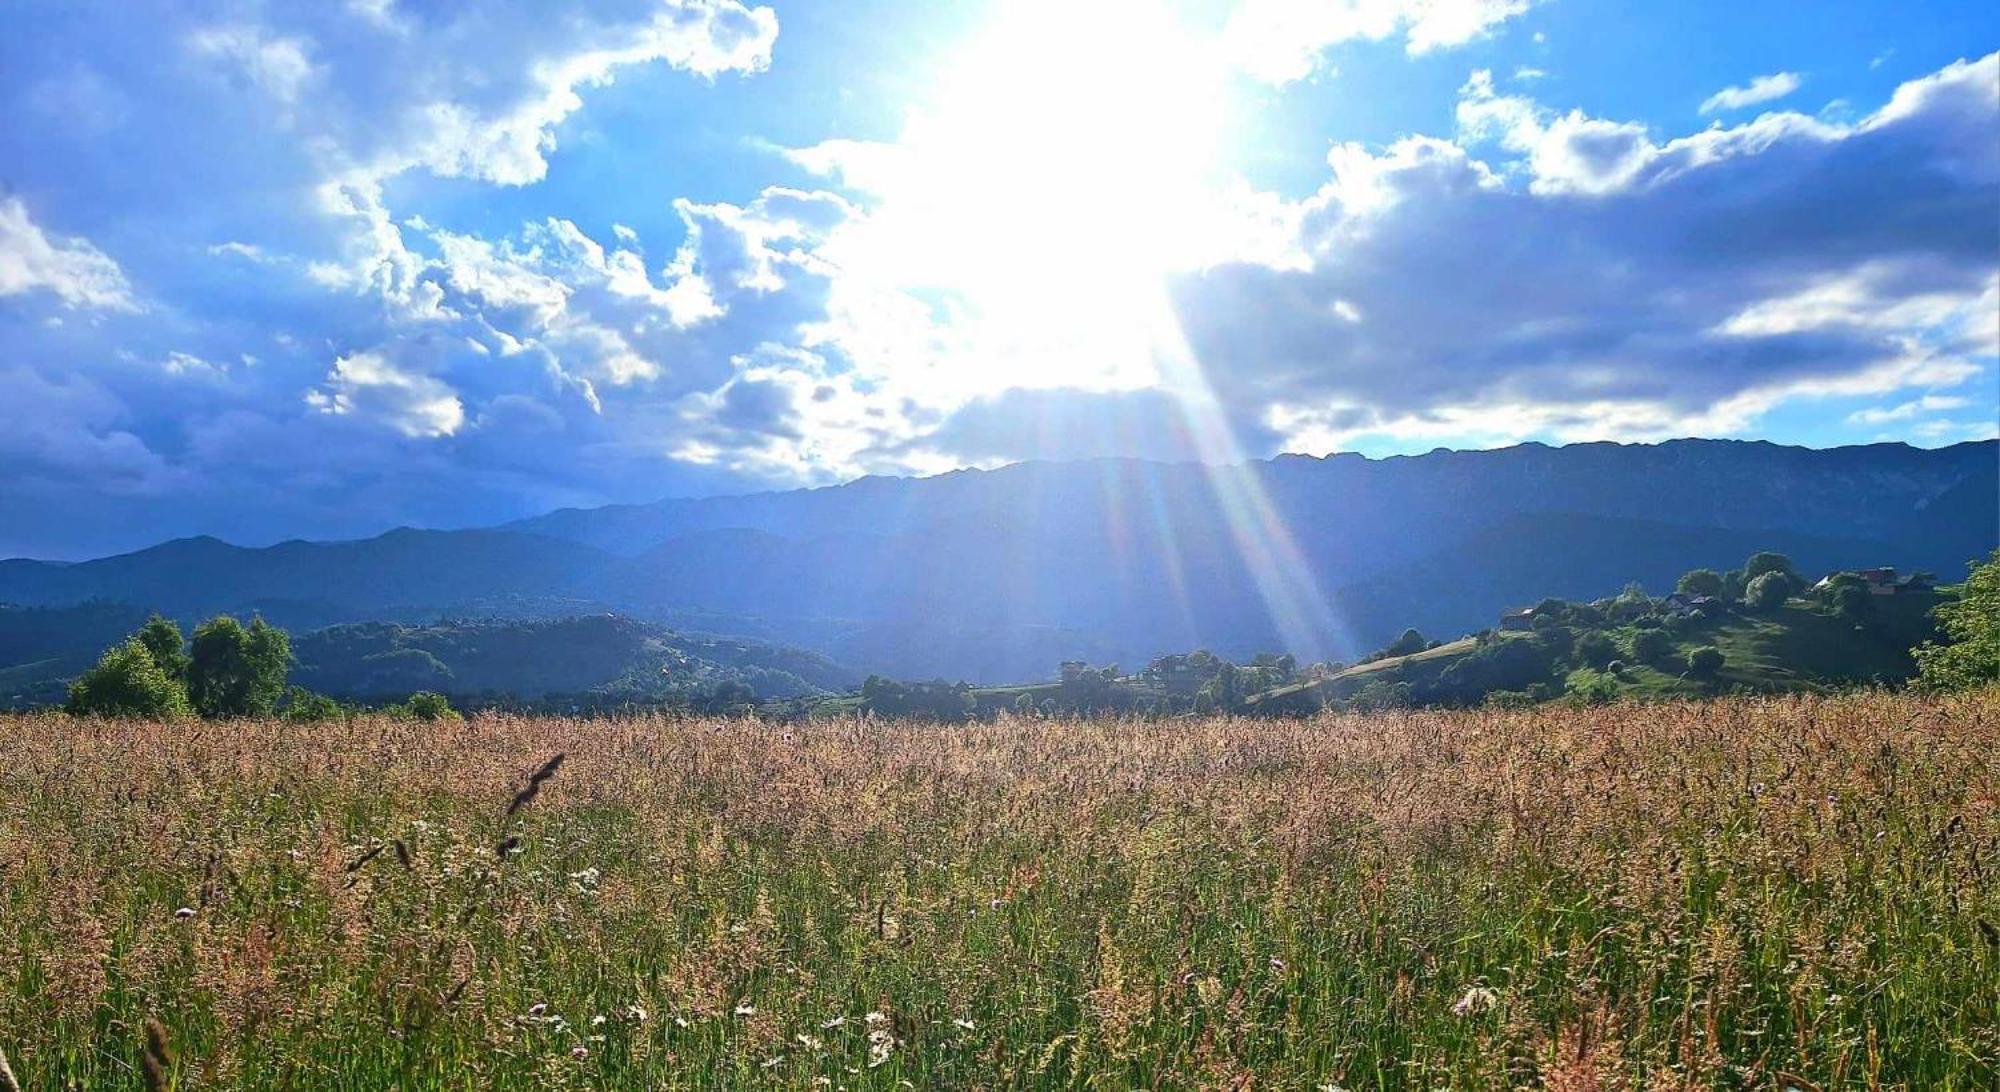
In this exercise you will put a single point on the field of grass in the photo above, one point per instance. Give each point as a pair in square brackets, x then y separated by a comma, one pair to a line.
[1793, 892]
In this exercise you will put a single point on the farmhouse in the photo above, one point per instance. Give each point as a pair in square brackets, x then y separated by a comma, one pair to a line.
[1883, 580]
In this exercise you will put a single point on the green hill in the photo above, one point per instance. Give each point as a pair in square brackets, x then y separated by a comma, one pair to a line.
[1799, 646]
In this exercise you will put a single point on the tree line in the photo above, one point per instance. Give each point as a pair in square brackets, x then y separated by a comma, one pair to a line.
[225, 670]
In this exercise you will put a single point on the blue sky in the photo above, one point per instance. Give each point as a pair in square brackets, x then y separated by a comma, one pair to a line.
[310, 270]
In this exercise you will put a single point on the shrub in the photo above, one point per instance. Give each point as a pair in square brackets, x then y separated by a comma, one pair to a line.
[302, 706]
[1594, 690]
[1705, 661]
[427, 705]
[1595, 649]
[127, 682]
[1650, 646]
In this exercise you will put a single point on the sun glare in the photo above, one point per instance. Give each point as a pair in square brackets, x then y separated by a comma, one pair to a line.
[1045, 190]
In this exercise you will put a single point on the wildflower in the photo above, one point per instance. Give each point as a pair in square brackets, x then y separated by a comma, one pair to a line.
[184, 913]
[963, 1024]
[1476, 1000]
[833, 1023]
[635, 1014]
[579, 1052]
[538, 1008]
[746, 1009]
[598, 1020]
[880, 1045]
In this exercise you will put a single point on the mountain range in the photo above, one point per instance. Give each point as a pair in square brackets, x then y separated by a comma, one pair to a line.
[993, 575]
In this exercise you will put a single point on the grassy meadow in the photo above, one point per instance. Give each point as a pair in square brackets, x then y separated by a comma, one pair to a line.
[1793, 892]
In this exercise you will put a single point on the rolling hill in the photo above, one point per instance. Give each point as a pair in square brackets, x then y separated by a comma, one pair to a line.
[997, 575]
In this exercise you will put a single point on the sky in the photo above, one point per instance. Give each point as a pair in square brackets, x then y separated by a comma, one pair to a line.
[277, 270]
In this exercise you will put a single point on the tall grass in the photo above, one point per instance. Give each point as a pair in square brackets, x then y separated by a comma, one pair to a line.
[1762, 893]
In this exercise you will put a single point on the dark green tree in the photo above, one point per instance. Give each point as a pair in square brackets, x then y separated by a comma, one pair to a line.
[1700, 582]
[1848, 596]
[1411, 641]
[1595, 649]
[1768, 591]
[127, 683]
[163, 639]
[1767, 561]
[1650, 646]
[237, 672]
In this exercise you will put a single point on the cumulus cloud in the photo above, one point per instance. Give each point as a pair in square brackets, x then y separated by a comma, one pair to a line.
[369, 384]
[77, 273]
[1762, 89]
[1535, 272]
[1280, 41]
[1595, 282]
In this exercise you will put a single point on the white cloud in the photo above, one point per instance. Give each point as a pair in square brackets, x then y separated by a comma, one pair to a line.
[370, 386]
[277, 65]
[1280, 41]
[1935, 403]
[1595, 282]
[77, 272]
[1762, 89]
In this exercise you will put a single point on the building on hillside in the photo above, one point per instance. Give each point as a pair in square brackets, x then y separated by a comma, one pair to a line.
[1684, 605]
[1882, 580]
[1517, 620]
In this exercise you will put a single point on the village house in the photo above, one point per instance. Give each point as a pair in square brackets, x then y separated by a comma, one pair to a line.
[1882, 580]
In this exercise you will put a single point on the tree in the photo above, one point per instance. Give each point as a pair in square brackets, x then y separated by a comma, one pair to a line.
[1705, 661]
[1595, 649]
[163, 640]
[1700, 582]
[1768, 591]
[427, 705]
[1651, 646]
[237, 672]
[1848, 596]
[1767, 561]
[1971, 656]
[127, 682]
[303, 706]
[1410, 642]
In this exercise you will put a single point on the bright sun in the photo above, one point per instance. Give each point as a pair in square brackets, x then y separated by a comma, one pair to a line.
[1052, 183]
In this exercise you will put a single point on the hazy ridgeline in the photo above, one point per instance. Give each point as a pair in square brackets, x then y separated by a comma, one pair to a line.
[1755, 893]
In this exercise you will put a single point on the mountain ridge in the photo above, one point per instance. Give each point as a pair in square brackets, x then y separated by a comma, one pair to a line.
[996, 574]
